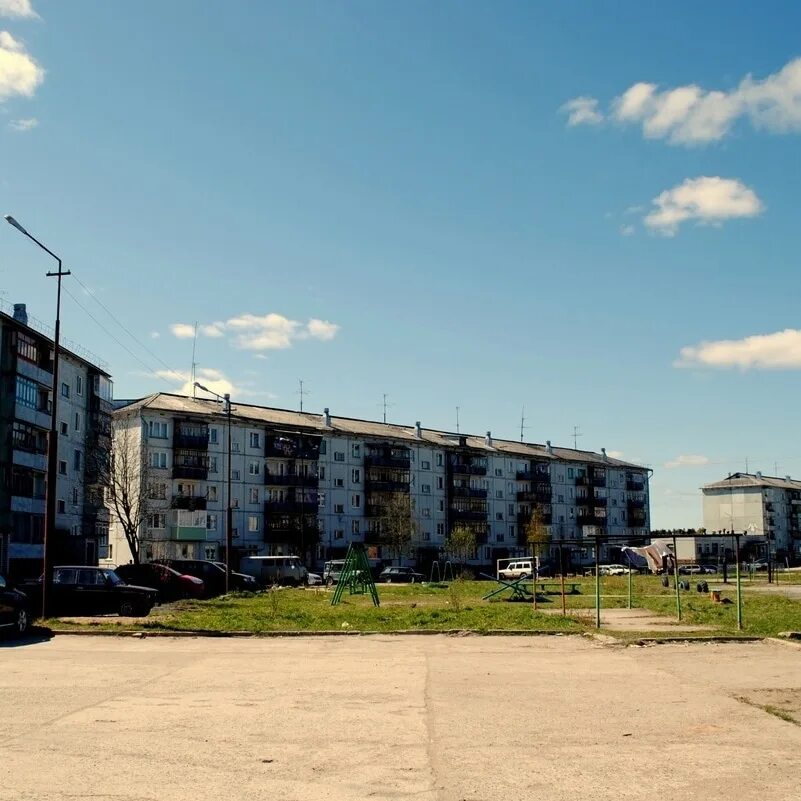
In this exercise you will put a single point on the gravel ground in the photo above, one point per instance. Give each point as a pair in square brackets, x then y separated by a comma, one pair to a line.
[434, 717]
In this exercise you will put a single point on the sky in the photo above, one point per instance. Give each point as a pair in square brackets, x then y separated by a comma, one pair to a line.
[583, 210]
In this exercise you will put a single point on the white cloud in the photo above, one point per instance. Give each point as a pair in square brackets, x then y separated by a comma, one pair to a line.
[708, 200]
[17, 8]
[215, 380]
[687, 460]
[778, 351]
[322, 329]
[154, 334]
[19, 73]
[691, 115]
[182, 330]
[626, 230]
[262, 332]
[582, 111]
[23, 125]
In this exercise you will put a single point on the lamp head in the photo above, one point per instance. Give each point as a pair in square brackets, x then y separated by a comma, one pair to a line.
[198, 385]
[11, 221]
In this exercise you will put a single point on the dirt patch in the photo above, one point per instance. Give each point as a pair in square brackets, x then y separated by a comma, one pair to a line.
[632, 620]
[784, 703]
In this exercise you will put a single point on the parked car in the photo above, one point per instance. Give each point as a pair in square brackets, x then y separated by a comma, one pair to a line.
[313, 579]
[332, 571]
[213, 576]
[759, 565]
[690, 570]
[14, 610]
[613, 570]
[400, 575]
[171, 585]
[84, 590]
[709, 569]
[275, 569]
[516, 570]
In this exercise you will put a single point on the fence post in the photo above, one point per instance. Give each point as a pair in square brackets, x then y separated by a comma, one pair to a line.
[676, 578]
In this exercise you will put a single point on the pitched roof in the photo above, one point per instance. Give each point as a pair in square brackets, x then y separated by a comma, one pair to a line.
[181, 404]
[755, 480]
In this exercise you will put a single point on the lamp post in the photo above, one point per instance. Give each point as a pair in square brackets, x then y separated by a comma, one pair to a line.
[229, 512]
[52, 441]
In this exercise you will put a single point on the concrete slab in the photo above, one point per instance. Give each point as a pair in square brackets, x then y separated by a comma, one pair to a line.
[445, 718]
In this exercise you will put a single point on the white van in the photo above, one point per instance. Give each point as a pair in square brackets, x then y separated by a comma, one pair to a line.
[275, 569]
[516, 570]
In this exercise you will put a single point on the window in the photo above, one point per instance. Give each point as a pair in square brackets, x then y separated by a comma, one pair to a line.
[157, 520]
[158, 460]
[27, 393]
[213, 436]
[235, 475]
[212, 464]
[64, 428]
[355, 451]
[499, 494]
[62, 467]
[235, 447]
[425, 489]
[157, 490]
[424, 465]
[560, 498]
[356, 501]
[27, 348]
[425, 512]
[234, 503]
[321, 473]
[440, 484]
[570, 472]
[339, 456]
[61, 506]
[157, 429]
[211, 493]
[354, 526]
[498, 471]
[440, 529]
[211, 522]
[253, 495]
[339, 508]
[253, 468]
[511, 509]
[511, 532]
[499, 537]
[439, 460]
[323, 447]
[339, 482]
[255, 439]
[77, 423]
[499, 515]
[356, 476]
[65, 390]
[79, 385]
[339, 534]
[76, 460]
[253, 522]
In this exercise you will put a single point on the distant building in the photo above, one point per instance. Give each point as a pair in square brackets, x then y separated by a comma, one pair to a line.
[84, 428]
[310, 484]
[763, 508]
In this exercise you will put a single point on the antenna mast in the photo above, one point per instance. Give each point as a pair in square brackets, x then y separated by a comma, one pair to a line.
[523, 425]
[194, 363]
[576, 434]
[302, 392]
[457, 419]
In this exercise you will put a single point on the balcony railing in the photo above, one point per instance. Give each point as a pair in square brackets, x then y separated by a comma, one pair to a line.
[596, 501]
[291, 480]
[465, 469]
[371, 485]
[467, 514]
[635, 486]
[590, 520]
[533, 475]
[293, 534]
[468, 492]
[380, 460]
[306, 507]
[191, 502]
[582, 481]
[635, 503]
[539, 495]
[190, 442]
[637, 518]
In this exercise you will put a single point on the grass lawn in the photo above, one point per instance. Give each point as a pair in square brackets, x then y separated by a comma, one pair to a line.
[457, 606]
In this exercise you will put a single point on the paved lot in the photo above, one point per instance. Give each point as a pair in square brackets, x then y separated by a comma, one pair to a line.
[427, 718]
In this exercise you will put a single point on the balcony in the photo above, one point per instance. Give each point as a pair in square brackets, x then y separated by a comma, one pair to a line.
[467, 514]
[187, 526]
[292, 447]
[386, 486]
[588, 519]
[194, 471]
[190, 442]
[396, 462]
[635, 486]
[533, 475]
[546, 517]
[465, 469]
[375, 510]
[541, 494]
[635, 504]
[468, 492]
[192, 503]
[596, 501]
[291, 480]
[281, 531]
[582, 481]
[598, 480]
[291, 508]
[637, 518]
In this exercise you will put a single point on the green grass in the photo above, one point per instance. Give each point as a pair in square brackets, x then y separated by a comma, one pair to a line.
[460, 606]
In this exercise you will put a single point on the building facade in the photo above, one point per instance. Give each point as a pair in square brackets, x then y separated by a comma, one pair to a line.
[310, 484]
[84, 435]
[763, 508]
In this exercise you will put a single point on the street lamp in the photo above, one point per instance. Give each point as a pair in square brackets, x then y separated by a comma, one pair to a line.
[229, 512]
[52, 441]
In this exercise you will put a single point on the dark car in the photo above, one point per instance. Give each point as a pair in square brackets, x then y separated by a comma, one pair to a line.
[213, 576]
[83, 590]
[400, 575]
[14, 614]
[171, 585]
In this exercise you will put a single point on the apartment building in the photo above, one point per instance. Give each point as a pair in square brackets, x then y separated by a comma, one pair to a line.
[84, 437]
[311, 484]
[763, 508]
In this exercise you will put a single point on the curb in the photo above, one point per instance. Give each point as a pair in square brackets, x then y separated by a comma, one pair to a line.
[281, 634]
[722, 638]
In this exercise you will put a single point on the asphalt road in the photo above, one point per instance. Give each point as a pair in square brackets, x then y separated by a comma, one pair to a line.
[429, 717]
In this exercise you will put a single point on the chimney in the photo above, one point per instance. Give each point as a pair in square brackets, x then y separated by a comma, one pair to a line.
[787, 478]
[21, 313]
[326, 418]
[418, 432]
[759, 474]
[548, 446]
[488, 439]
[603, 455]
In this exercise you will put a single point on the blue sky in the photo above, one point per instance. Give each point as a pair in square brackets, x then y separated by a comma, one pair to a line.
[479, 205]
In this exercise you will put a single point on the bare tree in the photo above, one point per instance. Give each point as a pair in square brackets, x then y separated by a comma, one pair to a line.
[126, 482]
[398, 526]
[538, 536]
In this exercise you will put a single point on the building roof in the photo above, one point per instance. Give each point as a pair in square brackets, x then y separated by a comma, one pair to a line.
[307, 421]
[753, 480]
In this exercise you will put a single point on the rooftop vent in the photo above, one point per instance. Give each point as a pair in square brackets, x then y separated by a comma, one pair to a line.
[548, 446]
[326, 418]
[488, 439]
[603, 455]
[418, 432]
[759, 474]
[21, 313]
